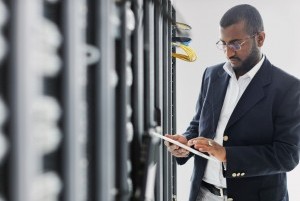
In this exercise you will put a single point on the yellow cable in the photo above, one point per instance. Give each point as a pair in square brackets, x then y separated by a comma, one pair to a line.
[190, 53]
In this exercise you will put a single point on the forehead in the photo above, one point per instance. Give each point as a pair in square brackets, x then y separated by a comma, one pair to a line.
[234, 31]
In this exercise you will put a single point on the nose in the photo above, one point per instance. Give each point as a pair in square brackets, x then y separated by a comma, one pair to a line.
[229, 52]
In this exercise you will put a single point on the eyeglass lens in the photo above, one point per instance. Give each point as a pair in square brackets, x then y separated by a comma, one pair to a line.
[234, 46]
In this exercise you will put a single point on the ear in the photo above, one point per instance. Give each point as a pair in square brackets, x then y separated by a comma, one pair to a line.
[260, 38]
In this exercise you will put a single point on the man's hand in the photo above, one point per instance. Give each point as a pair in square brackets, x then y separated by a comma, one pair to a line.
[174, 149]
[211, 147]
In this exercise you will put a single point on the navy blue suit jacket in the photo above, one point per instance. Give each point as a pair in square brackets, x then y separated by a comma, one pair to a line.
[263, 133]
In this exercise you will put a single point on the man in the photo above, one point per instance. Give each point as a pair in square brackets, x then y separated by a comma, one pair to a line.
[247, 117]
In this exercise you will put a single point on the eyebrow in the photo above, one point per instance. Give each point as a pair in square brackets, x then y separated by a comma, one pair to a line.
[232, 41]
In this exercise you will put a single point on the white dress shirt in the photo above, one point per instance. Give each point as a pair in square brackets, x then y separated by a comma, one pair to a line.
[236, 87]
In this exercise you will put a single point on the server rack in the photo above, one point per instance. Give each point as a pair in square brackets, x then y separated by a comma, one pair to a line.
[103, 175]
[124, 126]
[83, 84]
[74, 100]
[34, 124]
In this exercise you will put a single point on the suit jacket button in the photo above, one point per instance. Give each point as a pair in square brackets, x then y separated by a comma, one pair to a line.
[242, 174]
[233, 174]
[225, 138]
[238, 174]
[229, 199]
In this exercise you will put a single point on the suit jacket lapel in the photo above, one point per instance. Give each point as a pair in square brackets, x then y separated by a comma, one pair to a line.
[253, 94]
[219, 88]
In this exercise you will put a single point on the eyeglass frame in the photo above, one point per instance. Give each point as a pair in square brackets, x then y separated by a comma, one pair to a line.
[231, 45]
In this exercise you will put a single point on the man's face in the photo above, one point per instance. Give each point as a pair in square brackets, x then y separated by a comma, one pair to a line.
[249, 54]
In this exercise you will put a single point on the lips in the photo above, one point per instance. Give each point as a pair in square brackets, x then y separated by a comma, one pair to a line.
[234, 60]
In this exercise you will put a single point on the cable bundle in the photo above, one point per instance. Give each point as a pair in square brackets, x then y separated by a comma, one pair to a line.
[182, 42]
[190, 53]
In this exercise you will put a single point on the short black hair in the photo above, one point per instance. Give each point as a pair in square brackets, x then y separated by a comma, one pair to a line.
[244, 12]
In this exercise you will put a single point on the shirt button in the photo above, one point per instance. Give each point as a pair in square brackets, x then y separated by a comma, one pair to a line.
[238, 174]
[225, 138]
[229, 199]
[242, 174]
[233, 174]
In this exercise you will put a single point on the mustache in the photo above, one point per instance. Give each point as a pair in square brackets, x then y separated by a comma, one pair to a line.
[235, 58]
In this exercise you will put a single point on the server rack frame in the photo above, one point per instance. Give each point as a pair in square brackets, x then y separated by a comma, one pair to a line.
[105, 96]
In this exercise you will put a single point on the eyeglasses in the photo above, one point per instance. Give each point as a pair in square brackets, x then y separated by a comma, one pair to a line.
[235, 45]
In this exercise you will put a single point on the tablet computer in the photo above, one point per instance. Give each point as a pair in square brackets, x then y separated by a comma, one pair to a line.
[194, 151]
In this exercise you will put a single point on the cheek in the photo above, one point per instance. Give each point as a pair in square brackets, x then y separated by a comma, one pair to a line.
[246, 53]
[243, 55]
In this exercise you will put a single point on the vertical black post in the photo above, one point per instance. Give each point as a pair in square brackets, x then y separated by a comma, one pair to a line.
[5, 137]
[124, 127]
[173, 105]
[138, 157]
[167, 159]
[159, 90]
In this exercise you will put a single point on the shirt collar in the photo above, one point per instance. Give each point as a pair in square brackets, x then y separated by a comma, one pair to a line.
[227, 67]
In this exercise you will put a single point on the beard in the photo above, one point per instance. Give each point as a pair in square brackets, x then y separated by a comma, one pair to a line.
[249, 62]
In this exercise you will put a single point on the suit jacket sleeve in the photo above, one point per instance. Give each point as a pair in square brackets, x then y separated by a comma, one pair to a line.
[193, 129]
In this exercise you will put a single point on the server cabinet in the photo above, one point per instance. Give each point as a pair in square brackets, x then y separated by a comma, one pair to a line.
[83, 84]
[35, 114]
